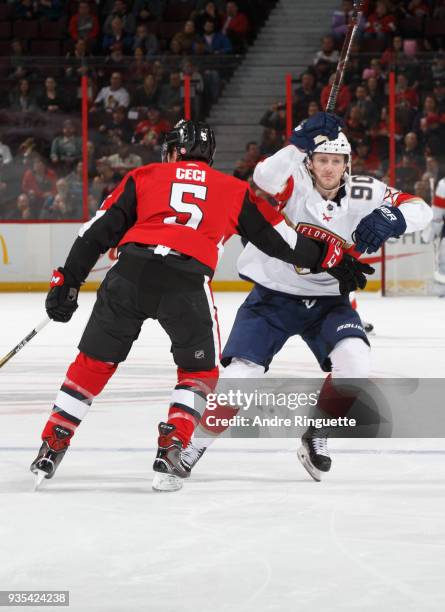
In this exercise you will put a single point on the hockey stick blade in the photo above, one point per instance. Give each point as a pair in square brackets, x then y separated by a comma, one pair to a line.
[24, 342]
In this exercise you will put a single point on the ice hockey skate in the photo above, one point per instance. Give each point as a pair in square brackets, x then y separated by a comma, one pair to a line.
[313, 454]
[168, 466]
[46, 463]
[368, 327]
[191, 455]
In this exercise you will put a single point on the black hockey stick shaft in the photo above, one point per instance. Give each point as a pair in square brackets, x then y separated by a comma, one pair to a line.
[24, 342]
[344, 55]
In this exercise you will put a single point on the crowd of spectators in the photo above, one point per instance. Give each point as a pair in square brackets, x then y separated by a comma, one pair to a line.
[407, 37]
[135, 54]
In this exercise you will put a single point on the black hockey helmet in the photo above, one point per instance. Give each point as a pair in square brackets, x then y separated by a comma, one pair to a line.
[192, 140]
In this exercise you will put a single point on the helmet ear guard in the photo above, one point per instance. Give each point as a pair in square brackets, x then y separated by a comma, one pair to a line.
[192, 140]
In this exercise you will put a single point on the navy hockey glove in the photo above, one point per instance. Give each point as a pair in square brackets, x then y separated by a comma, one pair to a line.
[350, 273]
[61, 301]
[374, 229]
[314, 131]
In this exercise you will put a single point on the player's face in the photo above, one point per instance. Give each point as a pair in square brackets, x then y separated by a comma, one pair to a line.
[328, 169]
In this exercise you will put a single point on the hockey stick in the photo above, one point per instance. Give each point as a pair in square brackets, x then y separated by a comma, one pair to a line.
[25, 341]
[344, 55]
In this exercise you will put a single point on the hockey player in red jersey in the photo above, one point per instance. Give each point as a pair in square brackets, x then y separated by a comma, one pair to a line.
[169, 222]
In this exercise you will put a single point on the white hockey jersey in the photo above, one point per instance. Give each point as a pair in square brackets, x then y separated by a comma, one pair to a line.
[284, 174]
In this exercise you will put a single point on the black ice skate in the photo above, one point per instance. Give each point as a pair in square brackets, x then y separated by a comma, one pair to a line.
[191, 455]
[46, 463]
[368, 327]
[169, 468]
[313, 454]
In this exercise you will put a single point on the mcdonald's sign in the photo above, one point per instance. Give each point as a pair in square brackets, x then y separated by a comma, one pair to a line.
[4, 250]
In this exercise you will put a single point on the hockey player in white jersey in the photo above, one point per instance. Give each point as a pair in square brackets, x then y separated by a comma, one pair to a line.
[438, 232]
[311, 180]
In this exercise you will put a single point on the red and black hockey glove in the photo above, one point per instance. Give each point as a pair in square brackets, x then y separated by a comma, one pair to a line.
[351, 274]
[349, 271]
[61, 301]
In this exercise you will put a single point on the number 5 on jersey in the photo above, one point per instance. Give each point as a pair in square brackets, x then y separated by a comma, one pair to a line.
[199, 192]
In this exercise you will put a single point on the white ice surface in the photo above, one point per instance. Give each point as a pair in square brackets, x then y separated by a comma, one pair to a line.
[250, 530]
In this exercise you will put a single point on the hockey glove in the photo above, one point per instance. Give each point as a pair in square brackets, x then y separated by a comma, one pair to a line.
[61, 301]
[374, 229]
[350, 273]
[314, 131]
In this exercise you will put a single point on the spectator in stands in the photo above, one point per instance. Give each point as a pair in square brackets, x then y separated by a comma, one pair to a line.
[368, 110]
[432, 134]
[105, 181]
[67, 148]
[123, 161]
[275, 117]
[220, 5]
[74, 198]
[395, 56]
[153, 123]
[215, 42]
[118, 124]
[75, 66]
[236, 27]
[375, 70]
[375, 93]
[116, 36]
[412, 151]
[148, 148]
[38, 183]
[139, 67]
[313, 108]
[328, 52]
[5, 153]
[417, 8]
[147, 95]
[22, 99]
[112, 96]
[26, 152]
[304, 94]
[120, 10]
[55, 206]
[405, 93]
[342, 18]
[439, 10]
[84, 24]
[245, 166]
[148, 10]
[381, 23]
[355, 128]
[17, 60]
[272, 142]
[50, 101]
[364, 161]
[439, 95]
[171, 99]
[438, 67]
[187, 37]
[343, 97]
[51, 9]
[23, 208]
[407, 174]
[209, 13]
[25, 9]
[145, 40]
[429, 107]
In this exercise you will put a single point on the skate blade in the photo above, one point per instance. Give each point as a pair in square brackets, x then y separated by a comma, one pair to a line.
[40, 477]
[303, 456]
[166, 483]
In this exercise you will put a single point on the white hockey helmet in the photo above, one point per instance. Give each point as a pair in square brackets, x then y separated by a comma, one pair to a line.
[340, 145]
